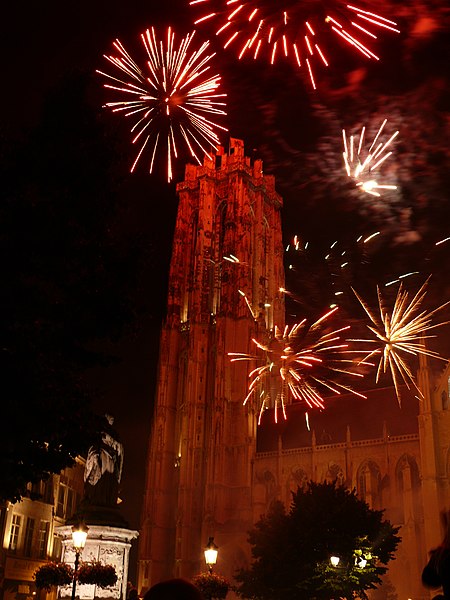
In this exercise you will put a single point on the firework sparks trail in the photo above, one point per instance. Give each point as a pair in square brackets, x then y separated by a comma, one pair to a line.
[290, 29]
[298, 364]
[361, 164]
[340, 263]
[443, 241]
[401, 334]
[172, 98]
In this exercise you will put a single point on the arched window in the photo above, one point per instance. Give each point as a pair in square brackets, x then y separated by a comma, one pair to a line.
[301, 478]
[408, 488]
[268, 486]
[335, 473]
[297, 479]
[368, 484]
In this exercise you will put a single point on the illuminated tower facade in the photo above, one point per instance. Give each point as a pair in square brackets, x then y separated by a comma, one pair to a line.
[434, 429]
[224, 288]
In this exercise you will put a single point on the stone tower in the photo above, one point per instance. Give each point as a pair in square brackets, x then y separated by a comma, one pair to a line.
[434, 428]
[224, 288]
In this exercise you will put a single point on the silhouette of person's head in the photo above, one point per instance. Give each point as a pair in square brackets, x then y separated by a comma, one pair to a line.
[173, 589]
[133, 594]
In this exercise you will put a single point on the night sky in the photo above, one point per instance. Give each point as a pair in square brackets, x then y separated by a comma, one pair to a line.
[295, 131]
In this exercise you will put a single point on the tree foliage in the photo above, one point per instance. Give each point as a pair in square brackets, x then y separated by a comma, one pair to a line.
[291, 551]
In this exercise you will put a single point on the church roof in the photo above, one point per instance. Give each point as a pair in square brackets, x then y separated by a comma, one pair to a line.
[365, 419]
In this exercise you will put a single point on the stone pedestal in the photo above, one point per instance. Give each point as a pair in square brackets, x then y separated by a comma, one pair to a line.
[106, 544]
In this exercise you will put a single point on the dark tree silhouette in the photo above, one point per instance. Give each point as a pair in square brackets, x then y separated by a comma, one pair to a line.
[291, 551]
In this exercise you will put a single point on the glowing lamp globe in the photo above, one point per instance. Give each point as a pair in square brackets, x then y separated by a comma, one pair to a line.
[335, 560]
[79, 535]
[361, 562]
[211, 551]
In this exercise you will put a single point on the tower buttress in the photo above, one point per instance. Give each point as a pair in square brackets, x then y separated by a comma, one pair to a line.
[227, 244]
[430, 456]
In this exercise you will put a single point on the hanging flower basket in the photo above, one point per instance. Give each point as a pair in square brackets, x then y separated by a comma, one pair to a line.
[96, 573]
[212, 586]
[53, 574]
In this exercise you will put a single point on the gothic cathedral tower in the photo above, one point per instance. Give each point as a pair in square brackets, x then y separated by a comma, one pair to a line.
[224, 289]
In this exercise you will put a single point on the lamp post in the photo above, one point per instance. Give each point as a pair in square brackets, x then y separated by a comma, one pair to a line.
[211, 551]
[79, 535]
[335, 560]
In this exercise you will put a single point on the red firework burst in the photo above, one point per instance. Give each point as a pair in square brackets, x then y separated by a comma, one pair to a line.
[296, 363]
[291, 29]
[172, 98]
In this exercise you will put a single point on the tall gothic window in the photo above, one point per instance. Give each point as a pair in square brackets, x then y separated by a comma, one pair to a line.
[267, 479]
[298, 479]
[368, 484]
[335, 473]
[408, 488]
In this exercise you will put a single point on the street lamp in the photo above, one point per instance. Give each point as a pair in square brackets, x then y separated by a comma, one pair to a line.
[360, 561]
[334, 560]
[79, 535]
[211, 551]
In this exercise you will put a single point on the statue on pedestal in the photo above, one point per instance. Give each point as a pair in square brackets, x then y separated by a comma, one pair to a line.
[103, 469]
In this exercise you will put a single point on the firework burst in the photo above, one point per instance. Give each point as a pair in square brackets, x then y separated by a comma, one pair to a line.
[297, 364]
[401, 334]
[291, 29]
[361, 164]
[172, 98]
